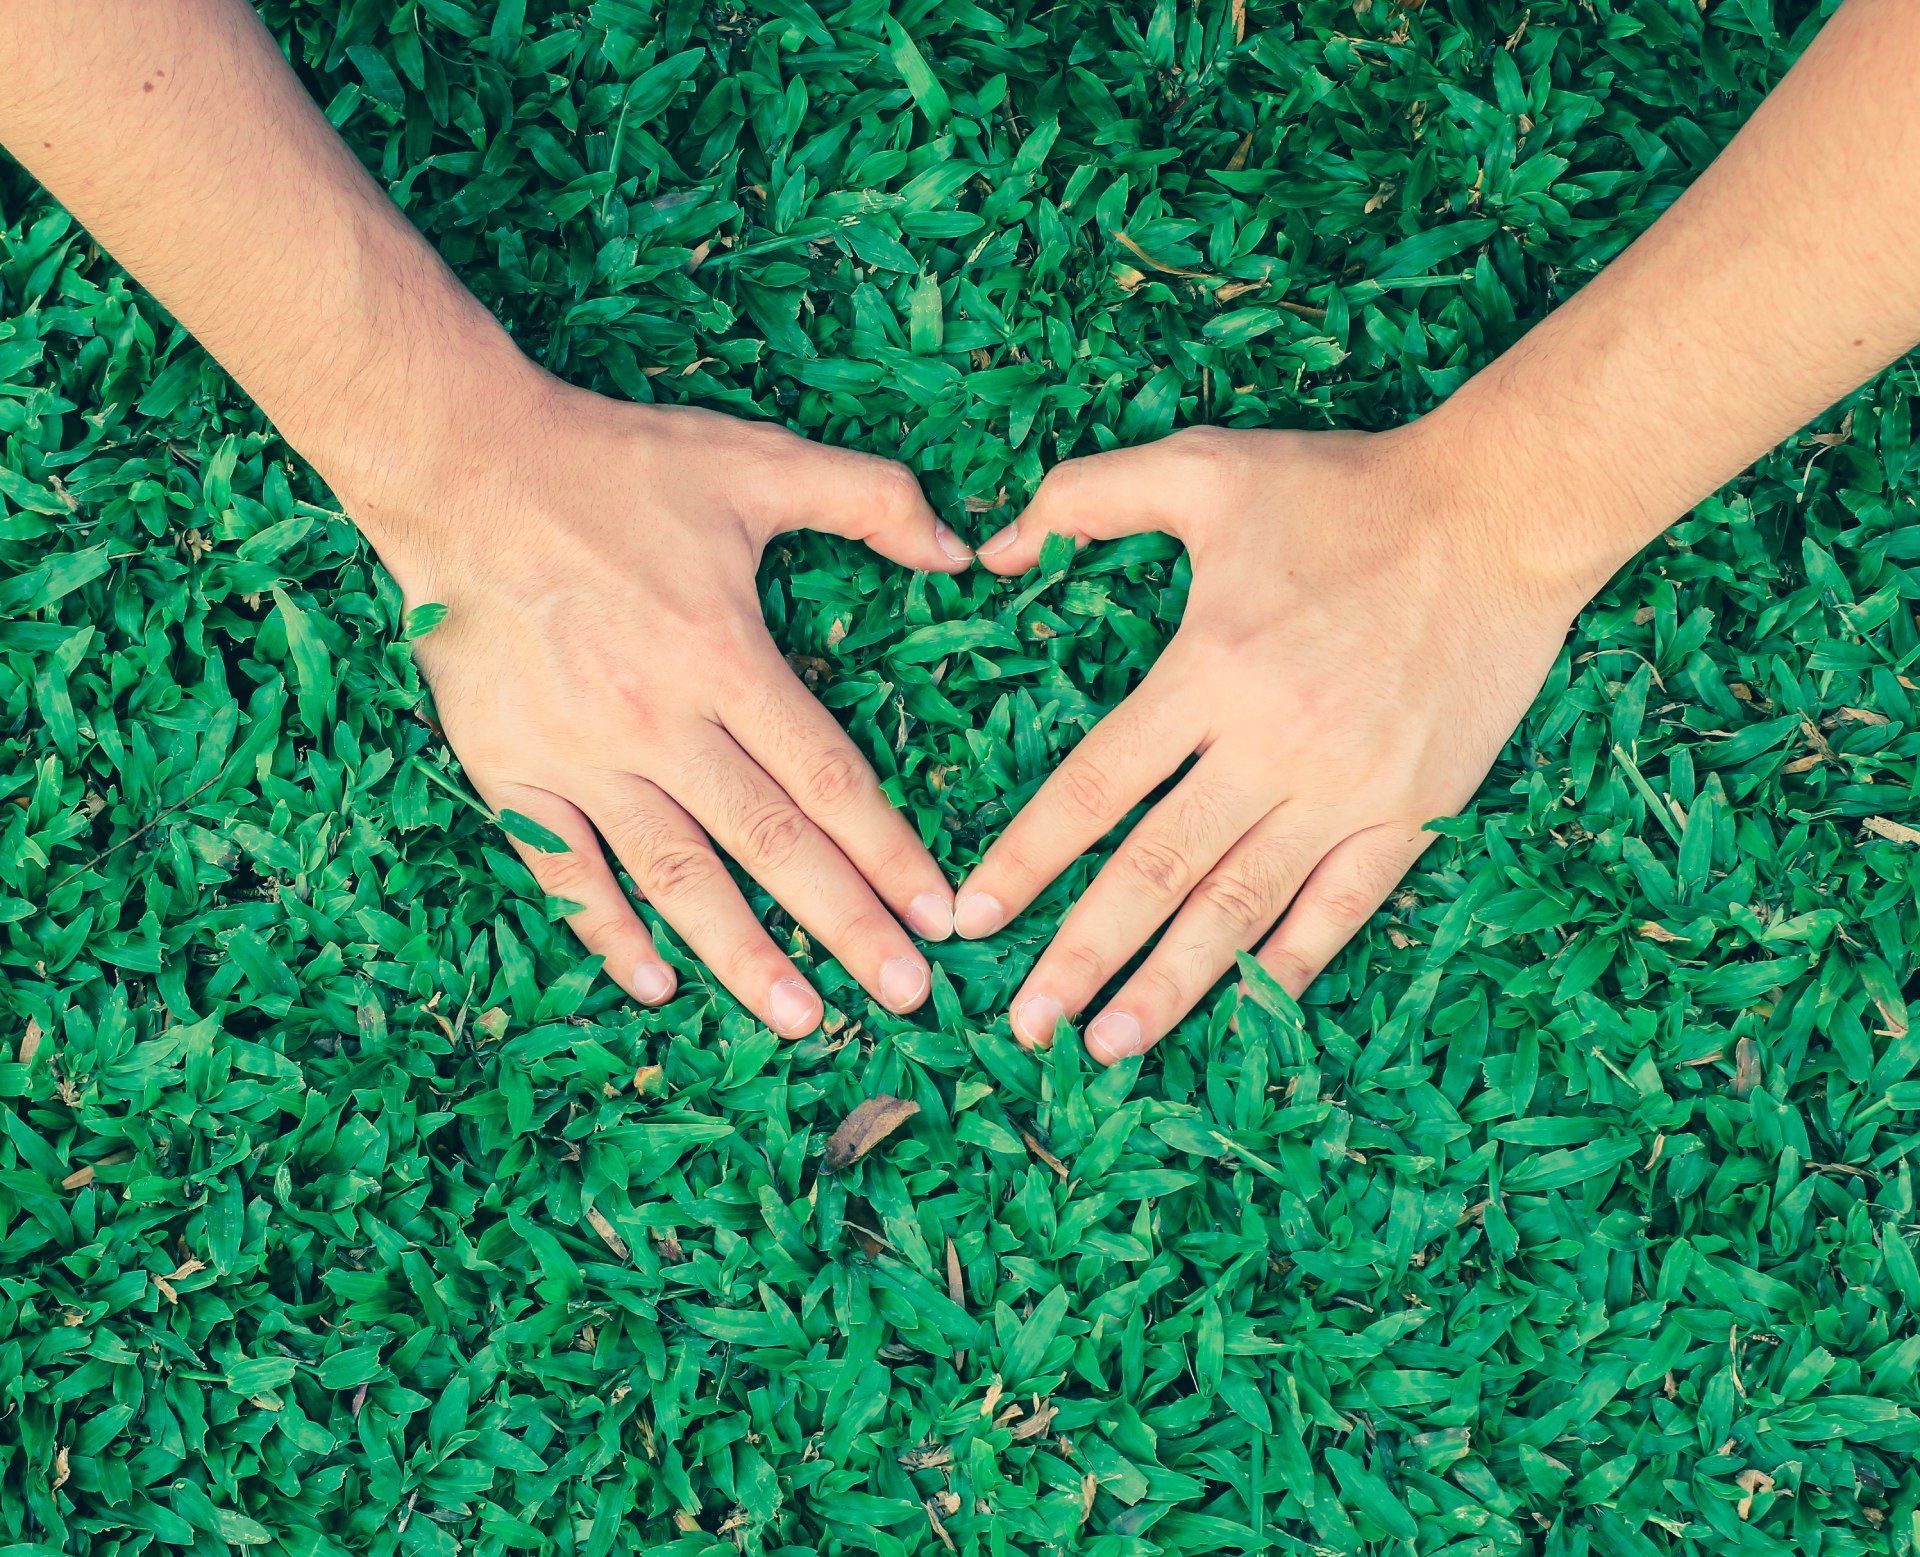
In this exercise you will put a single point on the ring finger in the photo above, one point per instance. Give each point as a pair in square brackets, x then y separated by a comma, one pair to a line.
[1149, 876]
[757, 822]
[676, 868]
[1228, 912]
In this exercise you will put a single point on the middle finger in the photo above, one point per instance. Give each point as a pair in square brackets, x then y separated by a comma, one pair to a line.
[774, 841]
[1149, 876]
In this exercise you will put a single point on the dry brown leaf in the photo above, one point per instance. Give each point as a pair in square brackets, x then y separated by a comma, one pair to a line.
[1037, 1422]
[609, 1234]
[30, 1041]
[1654, 931]
[956, 1278]
[1828, 441]
[1894, 832]
[994, 1391]
[933, 1519]
[1239, 158]
[1166, 270]
[80, 1178]
[61, 1469]
[865, 1128]
[1043, 1154]
[1752, 1482]
[1746, 1067]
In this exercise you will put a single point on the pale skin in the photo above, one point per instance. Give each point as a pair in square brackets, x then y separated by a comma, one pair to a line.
[604, 668]
[1370, 616]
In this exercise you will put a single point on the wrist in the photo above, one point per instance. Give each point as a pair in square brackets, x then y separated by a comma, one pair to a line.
[400, 441]
[1518, 499]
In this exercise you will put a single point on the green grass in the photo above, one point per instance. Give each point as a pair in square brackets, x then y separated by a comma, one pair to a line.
[343, 1210]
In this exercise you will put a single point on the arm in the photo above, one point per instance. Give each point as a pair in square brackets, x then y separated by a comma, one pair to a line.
[1371, 614]
[604, 669]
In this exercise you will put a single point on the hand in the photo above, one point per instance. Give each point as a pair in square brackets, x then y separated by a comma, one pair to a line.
[604, 669]
[1353, 656]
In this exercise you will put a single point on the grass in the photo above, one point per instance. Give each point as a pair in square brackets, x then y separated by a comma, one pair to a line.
[343, 1210]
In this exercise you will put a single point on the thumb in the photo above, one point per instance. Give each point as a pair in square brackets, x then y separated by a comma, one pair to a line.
[865, 498]
[1100, 497]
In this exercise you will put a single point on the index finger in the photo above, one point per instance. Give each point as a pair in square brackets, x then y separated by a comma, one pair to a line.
[784, 728]
[1137, 746]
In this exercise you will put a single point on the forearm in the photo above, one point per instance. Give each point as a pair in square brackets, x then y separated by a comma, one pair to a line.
[1784, 278]
[178, 136]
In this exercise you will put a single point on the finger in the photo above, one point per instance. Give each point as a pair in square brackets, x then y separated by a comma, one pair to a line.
[1100, 497]
[605, 920]
[1228, 912]
[672, 862]
[803, 749]
[758, 823]
[1126, 754]
[865, 498]
[1149, 876]
[1339, 898]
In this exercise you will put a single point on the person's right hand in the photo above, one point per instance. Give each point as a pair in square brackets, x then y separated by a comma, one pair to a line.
[604, 669]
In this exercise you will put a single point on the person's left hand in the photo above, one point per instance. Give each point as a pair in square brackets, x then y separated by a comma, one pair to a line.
[1361, 637]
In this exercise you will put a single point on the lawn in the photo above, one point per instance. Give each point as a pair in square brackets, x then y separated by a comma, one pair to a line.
[344, 1210]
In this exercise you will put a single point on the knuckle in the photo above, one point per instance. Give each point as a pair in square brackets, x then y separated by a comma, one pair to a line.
[895, 487]
[1293, 971]
[1238, 900]
[1081, 961]
[597, 929]
[862, 927]
[1157, 865]
[772, 833]
[1347, 904]
[676, 869]
[1208, 456]
[562, 875]
[1160, 987]
[835, 779]
[1086, 792]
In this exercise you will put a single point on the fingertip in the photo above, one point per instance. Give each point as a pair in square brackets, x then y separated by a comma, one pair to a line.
[1034, 1019]
[650, 982]
[957, 555]
[904, 984]
[1115, 1036]
[793, 1009]
[977, 914]
[930, 916]
[1001, 553]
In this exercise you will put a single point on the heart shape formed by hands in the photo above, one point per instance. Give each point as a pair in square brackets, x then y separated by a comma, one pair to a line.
[1354, 653]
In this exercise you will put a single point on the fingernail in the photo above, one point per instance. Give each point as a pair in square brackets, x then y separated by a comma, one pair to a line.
[1035, 1018]
[978, 914]
[793, 1008]
[950, 543]
[903, 983]
[1001, 541]
[651, 983]
[1117, 1035]
[930, 916]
